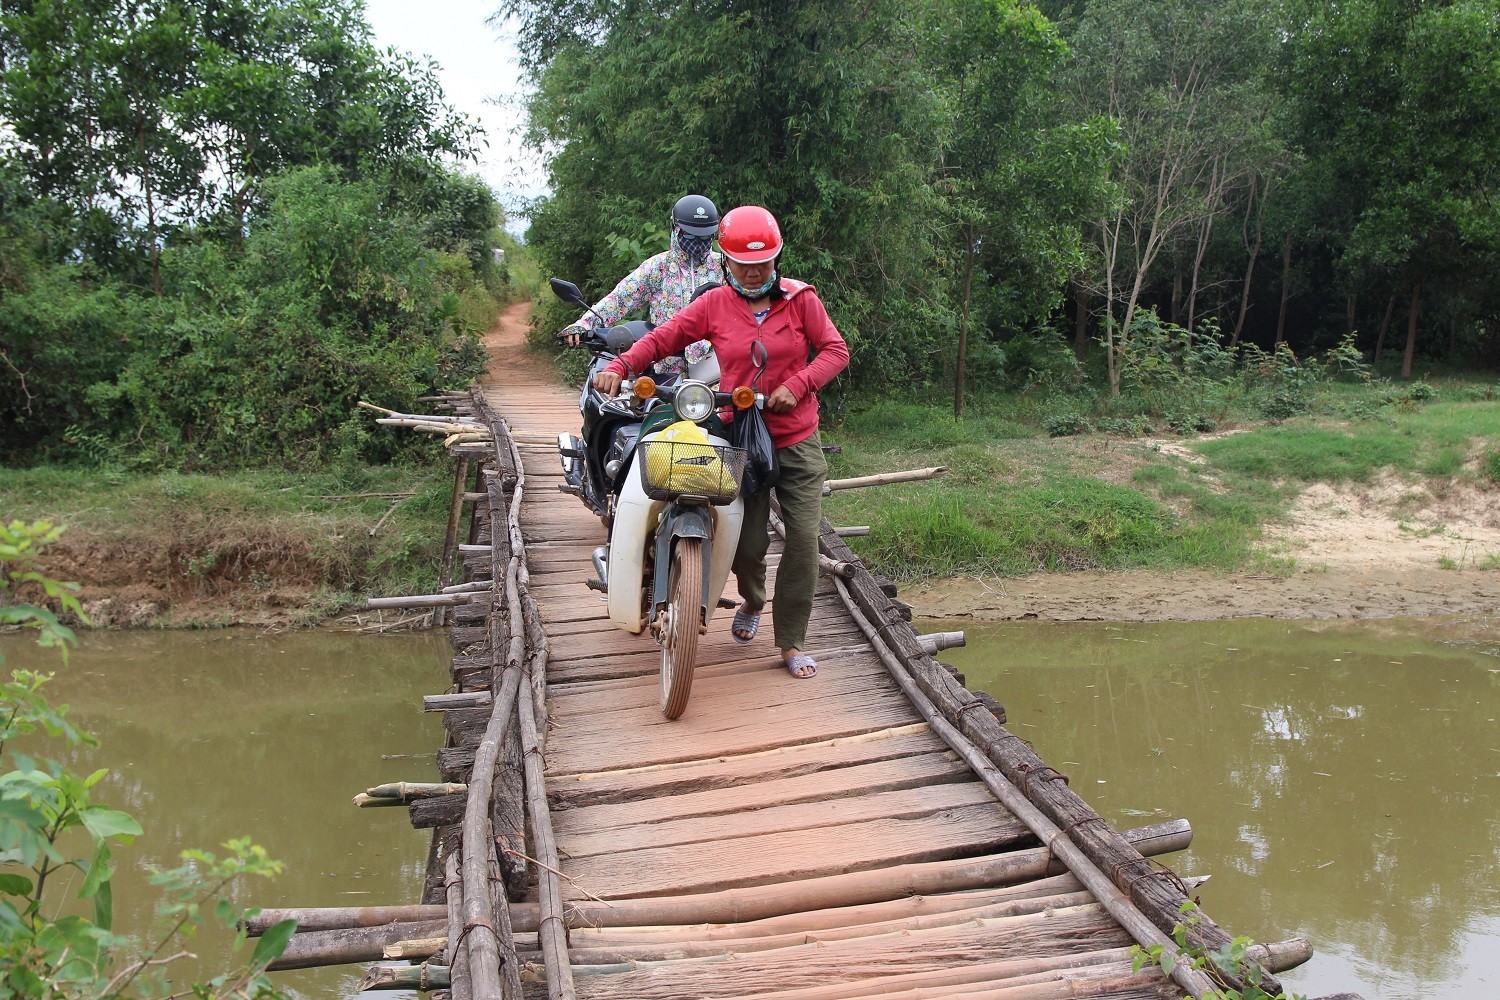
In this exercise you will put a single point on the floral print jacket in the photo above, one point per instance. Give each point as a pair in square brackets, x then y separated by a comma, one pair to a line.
[663, 284]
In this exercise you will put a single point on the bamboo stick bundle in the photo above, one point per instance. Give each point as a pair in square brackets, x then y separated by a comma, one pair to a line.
[398, 415]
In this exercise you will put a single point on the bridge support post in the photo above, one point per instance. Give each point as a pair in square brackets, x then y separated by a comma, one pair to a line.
[450, 539]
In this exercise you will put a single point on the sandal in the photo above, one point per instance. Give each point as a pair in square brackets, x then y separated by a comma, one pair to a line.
[798, 666]
[745, 626]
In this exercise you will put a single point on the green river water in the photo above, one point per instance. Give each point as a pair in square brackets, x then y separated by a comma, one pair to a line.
[1342, 778]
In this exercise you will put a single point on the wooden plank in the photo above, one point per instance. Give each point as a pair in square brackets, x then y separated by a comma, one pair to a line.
[1082, 934]
[795, 854]
[647, 738]
[731, 825]
[787, 761]
[928, 769]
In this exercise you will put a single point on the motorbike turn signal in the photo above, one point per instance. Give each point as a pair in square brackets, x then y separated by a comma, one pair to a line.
[744, 397]
[645, 387]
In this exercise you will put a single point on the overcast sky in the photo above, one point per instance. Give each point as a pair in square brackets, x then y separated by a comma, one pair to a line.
[477, 67]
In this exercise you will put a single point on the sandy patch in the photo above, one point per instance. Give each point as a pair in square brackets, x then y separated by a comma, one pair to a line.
[1380, 551]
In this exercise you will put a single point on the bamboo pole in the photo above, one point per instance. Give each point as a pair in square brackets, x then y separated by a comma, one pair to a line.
[450, 536]
[399, 793]
[347, 945]
[835, 567]
[405, 977]
[552, 927]
[416, 948]
[852, 531]
[481, 934]
[456, 950]
[420, 601]
[883, 479]
[1117, 903]
[472, 587]
[935, 642]
[328, 918]
[1155, 893]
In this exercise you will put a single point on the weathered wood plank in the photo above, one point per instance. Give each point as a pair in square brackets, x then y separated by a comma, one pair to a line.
[795, 854]
[726, 826]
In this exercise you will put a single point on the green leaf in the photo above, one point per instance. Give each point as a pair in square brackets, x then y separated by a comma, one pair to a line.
[1168, 962]
[99, 871]
[104, 906]
[15, 885]
[102, 822]
[272, 943]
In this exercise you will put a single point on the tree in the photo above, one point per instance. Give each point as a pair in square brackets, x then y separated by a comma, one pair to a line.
[1016, 179]
[1181, 79]
[1399, 109]
[828, 120]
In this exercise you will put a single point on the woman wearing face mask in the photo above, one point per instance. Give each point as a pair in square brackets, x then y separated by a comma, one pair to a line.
[663, 284]
[804, 351]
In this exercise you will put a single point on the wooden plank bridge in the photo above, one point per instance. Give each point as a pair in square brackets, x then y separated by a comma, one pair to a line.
[875, 831]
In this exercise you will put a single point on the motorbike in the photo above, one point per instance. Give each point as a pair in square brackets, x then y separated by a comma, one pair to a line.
[655, 465]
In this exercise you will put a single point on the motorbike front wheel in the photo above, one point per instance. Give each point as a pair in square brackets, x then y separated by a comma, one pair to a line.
[679, 634]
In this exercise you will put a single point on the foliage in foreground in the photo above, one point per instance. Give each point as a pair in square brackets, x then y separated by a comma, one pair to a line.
[45, 812]
[1231, 963]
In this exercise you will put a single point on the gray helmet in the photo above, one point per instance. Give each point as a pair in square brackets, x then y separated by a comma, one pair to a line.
[695, 215]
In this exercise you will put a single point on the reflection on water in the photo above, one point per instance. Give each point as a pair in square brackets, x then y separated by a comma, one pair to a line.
[1341, 777]
[213, 735]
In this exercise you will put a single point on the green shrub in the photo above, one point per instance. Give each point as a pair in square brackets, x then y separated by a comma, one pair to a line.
[1067, 424]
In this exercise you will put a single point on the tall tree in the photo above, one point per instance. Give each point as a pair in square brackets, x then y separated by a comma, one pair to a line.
[1181, 79]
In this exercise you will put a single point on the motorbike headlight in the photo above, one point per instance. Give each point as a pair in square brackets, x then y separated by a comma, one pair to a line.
[695, 401]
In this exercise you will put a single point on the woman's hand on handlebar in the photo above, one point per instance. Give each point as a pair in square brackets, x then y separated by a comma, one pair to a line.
[608, 383]
[781, 401]
[572, 336]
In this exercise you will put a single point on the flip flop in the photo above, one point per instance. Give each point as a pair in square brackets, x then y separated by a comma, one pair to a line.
[748, 624]
[798, 663]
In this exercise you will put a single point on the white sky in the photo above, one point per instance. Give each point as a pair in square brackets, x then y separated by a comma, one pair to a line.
[480, 77]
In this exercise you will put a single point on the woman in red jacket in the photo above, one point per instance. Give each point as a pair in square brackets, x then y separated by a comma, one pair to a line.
[804, 352]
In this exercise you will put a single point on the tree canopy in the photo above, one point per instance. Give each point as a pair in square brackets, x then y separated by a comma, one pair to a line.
[948, 171]
[210, 209]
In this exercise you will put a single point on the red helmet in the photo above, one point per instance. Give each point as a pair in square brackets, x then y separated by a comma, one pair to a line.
[749, 235]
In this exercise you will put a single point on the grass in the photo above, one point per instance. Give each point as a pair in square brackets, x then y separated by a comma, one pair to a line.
[1016, 501]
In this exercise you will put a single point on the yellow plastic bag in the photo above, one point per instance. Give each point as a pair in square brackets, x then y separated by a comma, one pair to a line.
[680, 460]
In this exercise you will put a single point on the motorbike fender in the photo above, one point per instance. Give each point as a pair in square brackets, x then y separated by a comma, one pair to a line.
[683, 522]
[631, 532]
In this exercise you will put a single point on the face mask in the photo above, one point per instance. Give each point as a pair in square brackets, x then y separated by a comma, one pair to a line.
[751, 293]
[694, 247]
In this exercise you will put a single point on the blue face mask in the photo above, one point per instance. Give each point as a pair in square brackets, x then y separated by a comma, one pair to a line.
[752, 293]
[695, 248]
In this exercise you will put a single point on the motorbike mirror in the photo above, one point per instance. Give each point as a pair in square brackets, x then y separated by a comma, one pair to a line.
[618, 340]
[567, 291]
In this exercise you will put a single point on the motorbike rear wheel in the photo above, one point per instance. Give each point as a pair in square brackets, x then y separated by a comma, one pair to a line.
[679, 633]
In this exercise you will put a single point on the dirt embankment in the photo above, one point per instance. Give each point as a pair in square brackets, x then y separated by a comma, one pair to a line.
[1373, 552]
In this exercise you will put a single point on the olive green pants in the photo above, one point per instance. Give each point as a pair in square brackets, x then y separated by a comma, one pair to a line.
[800, 494]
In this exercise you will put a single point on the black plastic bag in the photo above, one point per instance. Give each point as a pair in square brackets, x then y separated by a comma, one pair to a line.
[749, 431]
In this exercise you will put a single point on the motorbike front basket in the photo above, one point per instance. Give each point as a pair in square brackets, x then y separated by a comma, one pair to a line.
[672, 469]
